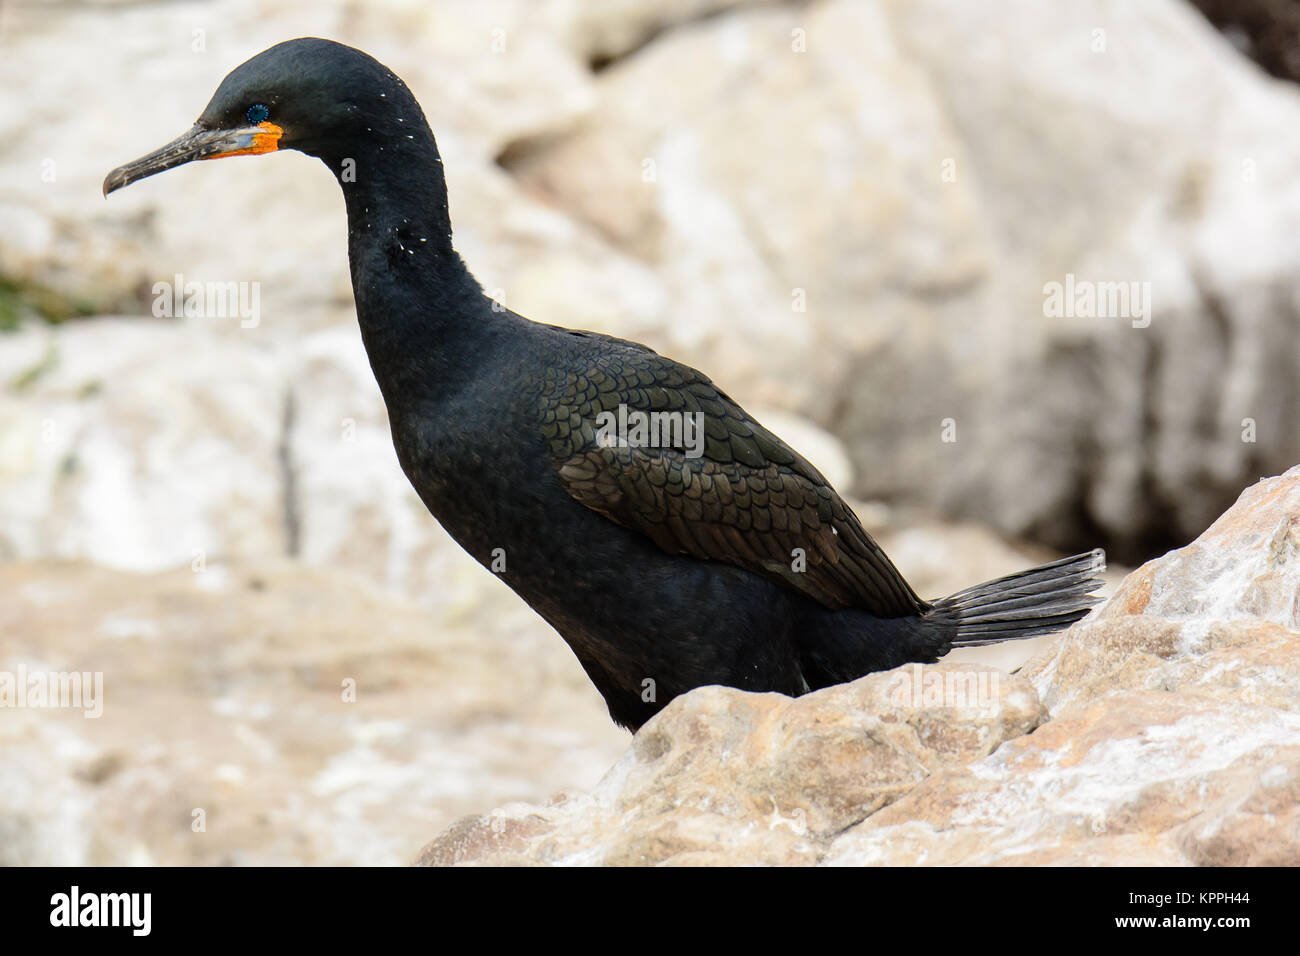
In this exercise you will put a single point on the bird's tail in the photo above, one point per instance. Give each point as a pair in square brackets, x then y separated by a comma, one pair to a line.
[1037, 601]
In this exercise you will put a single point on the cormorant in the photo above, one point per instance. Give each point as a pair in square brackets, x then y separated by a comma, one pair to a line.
[717, 556]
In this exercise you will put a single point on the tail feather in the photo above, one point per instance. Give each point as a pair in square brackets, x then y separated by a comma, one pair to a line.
[1033, 602]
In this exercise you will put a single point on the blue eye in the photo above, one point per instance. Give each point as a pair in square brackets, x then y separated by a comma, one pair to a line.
[257, 114]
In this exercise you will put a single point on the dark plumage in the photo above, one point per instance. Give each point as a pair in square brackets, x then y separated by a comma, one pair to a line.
[662, 571]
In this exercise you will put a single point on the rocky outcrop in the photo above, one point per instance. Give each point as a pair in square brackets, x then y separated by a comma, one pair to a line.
[1162, 730]
[727, 776]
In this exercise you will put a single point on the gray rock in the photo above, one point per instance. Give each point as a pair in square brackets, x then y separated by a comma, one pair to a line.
[922, 173]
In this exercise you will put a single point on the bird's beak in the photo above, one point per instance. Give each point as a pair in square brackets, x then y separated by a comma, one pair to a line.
[198, 143]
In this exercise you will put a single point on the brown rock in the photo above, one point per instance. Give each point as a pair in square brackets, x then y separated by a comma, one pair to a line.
[1221, 615]
[1139, 766]
[725, 776]
[1174, 716]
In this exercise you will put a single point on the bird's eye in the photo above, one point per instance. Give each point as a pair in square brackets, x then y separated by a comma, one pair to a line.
[257, 113]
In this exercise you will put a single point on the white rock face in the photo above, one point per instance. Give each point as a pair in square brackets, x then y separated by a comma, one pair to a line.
[140, 444]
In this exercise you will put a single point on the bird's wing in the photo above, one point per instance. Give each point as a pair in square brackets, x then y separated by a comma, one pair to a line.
[747, 499]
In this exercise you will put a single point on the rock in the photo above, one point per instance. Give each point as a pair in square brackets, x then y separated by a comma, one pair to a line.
[1265, 30]
[1143, 774]
[1221, 613]
[726, 776]
[141, 444]
[603, 32]
[1160, 731]
[890, 237]
[223, 691]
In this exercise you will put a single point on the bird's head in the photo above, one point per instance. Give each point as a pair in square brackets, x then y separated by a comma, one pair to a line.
[312, 95]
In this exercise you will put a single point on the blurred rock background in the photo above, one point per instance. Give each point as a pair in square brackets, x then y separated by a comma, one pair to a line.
[846, 211]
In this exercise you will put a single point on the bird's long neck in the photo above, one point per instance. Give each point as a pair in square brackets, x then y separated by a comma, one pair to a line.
[419, 308]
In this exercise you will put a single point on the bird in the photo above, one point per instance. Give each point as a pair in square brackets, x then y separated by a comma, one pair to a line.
[669, 538]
